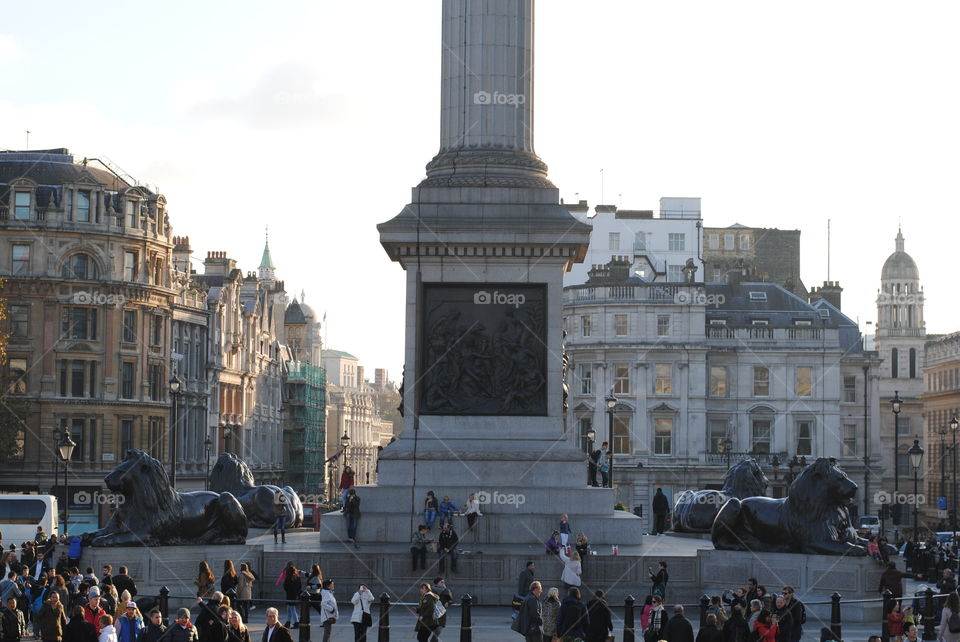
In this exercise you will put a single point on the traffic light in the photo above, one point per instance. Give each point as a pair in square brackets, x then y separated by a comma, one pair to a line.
[895, 513]
[884, 511]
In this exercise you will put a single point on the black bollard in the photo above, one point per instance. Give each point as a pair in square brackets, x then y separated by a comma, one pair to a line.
[383, 630]
[164, 603]
[704, 605]
[835, 622]
[304, 628]
[929, 632]
[887, 607]
[466, 626]
[628, 632]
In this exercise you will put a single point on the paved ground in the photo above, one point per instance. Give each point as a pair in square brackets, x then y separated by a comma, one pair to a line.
[492, 624]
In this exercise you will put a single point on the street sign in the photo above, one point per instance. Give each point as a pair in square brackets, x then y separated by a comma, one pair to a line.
[941, 514]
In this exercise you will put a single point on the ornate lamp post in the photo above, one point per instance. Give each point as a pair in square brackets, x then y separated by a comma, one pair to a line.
[207, 444]
[611, 404]
[65, 450]
[954, 423]
[175, 387]
[916, 458]
[344, 444]
[895, 404]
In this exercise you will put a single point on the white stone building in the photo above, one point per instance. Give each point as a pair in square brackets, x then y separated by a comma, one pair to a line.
[705, 375]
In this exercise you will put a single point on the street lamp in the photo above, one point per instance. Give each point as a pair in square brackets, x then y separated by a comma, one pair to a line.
[344, 444]
[226, 439]
[916, 457]
[65, 450]
[953, 455]
[611, 404]
[175, 386]
[943, 467]
[895, 406]
[728, 450]
[207, 444]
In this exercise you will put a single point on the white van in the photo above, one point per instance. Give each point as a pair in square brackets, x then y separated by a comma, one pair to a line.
[21, 514]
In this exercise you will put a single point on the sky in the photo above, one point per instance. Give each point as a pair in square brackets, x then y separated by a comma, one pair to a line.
[316, 118]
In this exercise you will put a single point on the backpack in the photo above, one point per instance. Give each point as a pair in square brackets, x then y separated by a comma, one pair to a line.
[439, 611]
[954, 623]
[37, 602]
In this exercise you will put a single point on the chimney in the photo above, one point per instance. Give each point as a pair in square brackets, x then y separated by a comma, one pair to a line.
[829, 292]
[181, 254]
[218, 264]
[359, 376]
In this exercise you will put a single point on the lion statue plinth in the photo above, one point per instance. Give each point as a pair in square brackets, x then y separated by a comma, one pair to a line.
[695, 510]
[153, 514]
[231, 474]
[814, 517]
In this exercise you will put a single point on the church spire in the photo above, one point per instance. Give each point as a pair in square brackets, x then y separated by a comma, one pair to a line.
[267, 270]
[899, 240]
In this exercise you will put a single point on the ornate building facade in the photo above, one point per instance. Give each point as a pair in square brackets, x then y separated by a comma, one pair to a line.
[941, 405]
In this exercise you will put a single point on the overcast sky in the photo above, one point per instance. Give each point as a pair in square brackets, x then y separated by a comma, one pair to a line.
[318, 117]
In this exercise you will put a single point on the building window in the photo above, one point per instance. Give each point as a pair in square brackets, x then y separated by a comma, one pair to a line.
[17, 376]
[83, 207]
[80, 266]
[586, 378]
[640, 241]
[849, 440]
[728, 242]
[744, 242]
[621, 324]
[79, 323]
[156, 382]
[804, 438]
[894, 363]
[663, 325]
[21, 206]
[129, 266]
[760, 436]
[586, 325]
[78, 378]
[663, 379]
[718, 381]
[131, 208]
[586, 425]
[804, 381]
[126, 436]
[129, 326]
[20, 263]
[903, 425]
[717, 435]
[676, 242]
[761, 381]
[156, 330]
[621, 379]
[913, 363]
[713, 241]
[674, 273]
[850, 389]
[662, 436]
[155, 430]
[126, 380]
[19, 320]
[68, 207]
[614, 241]
[78, 432]
[621, 435]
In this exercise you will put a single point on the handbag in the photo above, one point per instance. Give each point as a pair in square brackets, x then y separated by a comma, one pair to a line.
[366, 619]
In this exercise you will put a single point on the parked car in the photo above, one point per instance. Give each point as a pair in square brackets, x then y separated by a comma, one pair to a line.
[869, 525]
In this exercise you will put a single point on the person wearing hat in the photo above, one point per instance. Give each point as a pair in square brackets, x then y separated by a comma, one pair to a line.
[129, 624]
[92, 611]
[181, 630]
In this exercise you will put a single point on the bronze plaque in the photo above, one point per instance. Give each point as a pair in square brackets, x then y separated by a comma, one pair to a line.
[483, 349]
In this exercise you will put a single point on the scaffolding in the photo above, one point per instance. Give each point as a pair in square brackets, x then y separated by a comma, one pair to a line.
[307, 401]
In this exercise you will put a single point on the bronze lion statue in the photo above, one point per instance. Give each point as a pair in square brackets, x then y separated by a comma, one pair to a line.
[814, 517]
[231, 474]
[695, 510]
[153, 514]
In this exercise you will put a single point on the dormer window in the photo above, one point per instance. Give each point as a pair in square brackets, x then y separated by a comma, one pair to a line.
[759, 322]
[83, 206]
[21, 206]
[131, 212]
[718, 322]
[758, 296]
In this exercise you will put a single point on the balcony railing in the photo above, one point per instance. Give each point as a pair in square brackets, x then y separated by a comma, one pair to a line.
[735, 457]
[759, 333]
[675, 293]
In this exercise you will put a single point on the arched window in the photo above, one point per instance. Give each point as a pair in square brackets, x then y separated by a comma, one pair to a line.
[913, 363]
[894, 363]
[80, 266]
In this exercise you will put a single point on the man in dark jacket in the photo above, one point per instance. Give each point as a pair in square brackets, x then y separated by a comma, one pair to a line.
[660, 509]
[709, 631]
[51, 619]
[525, 580]
[573, 618]
[78, 629]
[601, 620]
[123, 582]
[735, 629]
[679, 628]
[14, 625]
[447, 547]
[154, 629]
[530, 618]
[798, 614]
[183, 631]
[211, 626]
[274, 631]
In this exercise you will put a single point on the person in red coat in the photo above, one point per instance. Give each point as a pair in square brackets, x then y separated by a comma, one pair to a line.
[346, 483]
[766, 627]
[92, 611]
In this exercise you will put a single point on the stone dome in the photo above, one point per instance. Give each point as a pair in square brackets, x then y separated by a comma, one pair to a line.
[298, 314]
[900, 266]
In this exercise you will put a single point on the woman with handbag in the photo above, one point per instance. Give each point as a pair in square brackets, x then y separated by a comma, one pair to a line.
[361, 618]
